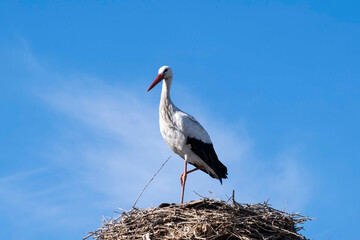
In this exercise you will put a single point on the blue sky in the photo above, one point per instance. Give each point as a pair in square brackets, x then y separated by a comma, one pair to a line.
[275, 83]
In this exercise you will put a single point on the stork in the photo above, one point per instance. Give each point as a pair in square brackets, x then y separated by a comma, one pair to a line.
[184, 135]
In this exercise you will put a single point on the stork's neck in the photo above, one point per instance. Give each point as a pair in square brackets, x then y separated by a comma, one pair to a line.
[166, 108]
[165, 92]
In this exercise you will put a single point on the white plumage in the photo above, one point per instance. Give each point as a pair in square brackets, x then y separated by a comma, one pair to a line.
[184, 135]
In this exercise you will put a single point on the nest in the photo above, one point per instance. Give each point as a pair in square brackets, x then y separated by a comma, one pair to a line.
[203, 219]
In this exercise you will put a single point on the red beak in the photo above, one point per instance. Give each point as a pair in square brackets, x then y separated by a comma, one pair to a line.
[156, 81]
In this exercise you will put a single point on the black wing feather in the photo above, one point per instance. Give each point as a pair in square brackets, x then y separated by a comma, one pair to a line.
[206, 152]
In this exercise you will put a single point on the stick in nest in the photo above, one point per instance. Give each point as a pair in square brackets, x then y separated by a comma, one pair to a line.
[151, 181]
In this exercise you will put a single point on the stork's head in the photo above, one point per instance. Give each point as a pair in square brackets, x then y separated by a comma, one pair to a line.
[164, 72]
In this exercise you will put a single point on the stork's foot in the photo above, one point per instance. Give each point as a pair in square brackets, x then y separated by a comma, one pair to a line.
[183, 175]
[183, 178]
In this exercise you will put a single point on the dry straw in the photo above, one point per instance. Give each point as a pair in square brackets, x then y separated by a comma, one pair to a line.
[203, 219]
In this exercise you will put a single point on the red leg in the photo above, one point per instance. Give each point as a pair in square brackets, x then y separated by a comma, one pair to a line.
[193, 170]
[183, 180]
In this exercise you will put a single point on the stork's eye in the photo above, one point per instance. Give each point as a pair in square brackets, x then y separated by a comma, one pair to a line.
[165, 70]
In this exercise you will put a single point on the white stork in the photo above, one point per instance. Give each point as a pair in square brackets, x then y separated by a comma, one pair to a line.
[184, 135]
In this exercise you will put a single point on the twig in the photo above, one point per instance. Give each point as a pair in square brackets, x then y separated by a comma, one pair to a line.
[198, 194]
[214, 196]
[150, 181]
[232, 197]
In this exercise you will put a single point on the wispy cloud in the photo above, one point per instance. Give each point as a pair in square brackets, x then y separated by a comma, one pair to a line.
[136, 150]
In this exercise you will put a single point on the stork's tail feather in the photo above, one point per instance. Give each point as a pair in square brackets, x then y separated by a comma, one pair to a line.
[222, 173]
[207, 153]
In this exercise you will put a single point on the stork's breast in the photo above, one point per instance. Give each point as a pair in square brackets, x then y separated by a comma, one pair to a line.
[174, 138]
